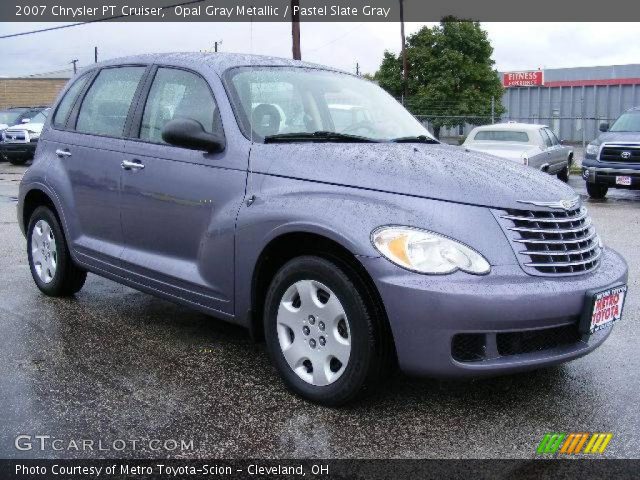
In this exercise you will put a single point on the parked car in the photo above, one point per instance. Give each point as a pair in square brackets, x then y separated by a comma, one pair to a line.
[528, 144]
[19, 141]
[348, 253]
[17, 115]
[613, 159]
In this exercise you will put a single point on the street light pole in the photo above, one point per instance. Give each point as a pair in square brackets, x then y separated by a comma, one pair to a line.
[404, 50]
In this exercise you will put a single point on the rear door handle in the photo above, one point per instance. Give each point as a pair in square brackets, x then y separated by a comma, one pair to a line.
[63, 153]
[132, 165]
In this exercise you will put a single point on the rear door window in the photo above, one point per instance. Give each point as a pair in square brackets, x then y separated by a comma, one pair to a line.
[552, 136]
[106, 105]
[545, 138]
[175, 94]
[62, 113]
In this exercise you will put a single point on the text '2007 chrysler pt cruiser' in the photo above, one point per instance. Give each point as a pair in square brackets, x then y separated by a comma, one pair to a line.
[309, 206]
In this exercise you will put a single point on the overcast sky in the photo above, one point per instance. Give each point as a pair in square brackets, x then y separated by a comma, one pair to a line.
[516, 45]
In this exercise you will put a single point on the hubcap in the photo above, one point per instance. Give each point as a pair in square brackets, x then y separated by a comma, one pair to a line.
[313, 332]
[44, 254]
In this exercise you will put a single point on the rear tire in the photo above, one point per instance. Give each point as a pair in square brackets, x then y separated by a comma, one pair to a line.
[597, 190]
[563, 175]
[51, 265]
[308, 330]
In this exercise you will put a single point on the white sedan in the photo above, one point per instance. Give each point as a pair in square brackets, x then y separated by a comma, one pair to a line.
[534, 145]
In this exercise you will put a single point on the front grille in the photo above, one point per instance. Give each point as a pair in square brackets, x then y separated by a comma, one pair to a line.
[529, 341]
[620, 152]
[15, 136]
[555, 243]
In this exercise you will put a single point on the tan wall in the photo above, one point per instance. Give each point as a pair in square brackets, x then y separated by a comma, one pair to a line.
[29, 92]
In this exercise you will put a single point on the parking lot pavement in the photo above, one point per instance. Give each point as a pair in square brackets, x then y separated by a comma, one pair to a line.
[114, 363]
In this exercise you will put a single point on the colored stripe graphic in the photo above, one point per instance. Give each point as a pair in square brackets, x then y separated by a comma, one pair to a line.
[573, 443]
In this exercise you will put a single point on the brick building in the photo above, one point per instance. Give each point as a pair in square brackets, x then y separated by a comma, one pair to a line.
[31, 91]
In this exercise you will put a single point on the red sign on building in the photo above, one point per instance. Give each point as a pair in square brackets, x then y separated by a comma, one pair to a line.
[523, 79]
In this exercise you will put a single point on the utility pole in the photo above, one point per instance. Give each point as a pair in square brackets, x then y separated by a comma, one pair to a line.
[404, 50]
[493, 110]
[357, 69]
[75, 68]
[95, 54]
[215, 45]
[295, 29]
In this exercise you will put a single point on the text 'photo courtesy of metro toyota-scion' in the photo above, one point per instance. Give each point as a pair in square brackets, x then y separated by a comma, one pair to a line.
[313, 239]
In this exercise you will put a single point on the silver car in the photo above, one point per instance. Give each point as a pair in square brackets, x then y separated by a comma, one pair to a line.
[534, 145]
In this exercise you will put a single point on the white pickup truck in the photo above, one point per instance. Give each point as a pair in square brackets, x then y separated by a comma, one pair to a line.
[19, 141]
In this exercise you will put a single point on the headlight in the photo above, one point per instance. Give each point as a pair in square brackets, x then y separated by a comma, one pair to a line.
[34, 135]
[592, 149]
[427, 252]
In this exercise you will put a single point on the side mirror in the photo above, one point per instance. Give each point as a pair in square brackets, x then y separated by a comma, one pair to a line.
[188, 133]
[26, 120]
[563, 141]
[604, 127]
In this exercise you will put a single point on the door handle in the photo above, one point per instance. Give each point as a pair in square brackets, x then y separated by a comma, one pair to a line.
[63, 153]
[132, 165]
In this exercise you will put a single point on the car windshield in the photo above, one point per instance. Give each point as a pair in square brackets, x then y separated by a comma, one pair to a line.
[9, 118]
[275, 101]
[40, 117]
[628, 122]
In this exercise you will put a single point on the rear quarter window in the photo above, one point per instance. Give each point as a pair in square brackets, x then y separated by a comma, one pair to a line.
[501, 136]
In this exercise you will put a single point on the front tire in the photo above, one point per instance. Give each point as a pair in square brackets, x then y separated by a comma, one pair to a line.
[18, 160]
[50, 262]
[597, 190]
[325, 338]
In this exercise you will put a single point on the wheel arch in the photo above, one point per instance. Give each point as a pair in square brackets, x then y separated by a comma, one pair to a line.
[289, 245]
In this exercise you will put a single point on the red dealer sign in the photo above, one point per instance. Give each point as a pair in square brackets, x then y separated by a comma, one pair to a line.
[523, 79]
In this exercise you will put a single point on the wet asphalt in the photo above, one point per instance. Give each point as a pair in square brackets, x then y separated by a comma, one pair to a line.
[117, 365]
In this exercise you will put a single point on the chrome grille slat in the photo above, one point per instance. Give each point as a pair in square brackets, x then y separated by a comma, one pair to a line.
[581, 216]
[556, 242]
[554, 253]
[553, 231]
[552, 241]
[591, 259]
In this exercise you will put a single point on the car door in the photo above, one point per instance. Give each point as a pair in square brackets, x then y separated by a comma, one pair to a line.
[179, 206]
[548, 152]
[557, 160]
[561, 152]
[86, 144]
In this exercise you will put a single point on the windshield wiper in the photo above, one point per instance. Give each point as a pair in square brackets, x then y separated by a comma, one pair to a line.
[318, 136]
[416, 139]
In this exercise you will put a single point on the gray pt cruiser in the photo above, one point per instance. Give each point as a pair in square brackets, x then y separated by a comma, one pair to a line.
[308, 206]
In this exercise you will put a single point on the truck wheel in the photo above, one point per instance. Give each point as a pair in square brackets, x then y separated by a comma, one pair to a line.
[51, 265]
[563, 174]
[17, 160]
[328, 343]
[597, 190]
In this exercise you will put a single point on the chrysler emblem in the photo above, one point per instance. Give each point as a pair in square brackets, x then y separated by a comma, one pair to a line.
[625, 155]
[566, 204]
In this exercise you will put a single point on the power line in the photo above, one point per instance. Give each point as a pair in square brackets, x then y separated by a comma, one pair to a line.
[340, 37]
[70, 25]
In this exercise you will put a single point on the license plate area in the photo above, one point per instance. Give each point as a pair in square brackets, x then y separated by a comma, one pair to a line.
[623, 180]
[602, 309]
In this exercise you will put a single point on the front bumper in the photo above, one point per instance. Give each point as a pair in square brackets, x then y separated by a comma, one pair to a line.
[426, 313]
[605, 173]
[18, 150]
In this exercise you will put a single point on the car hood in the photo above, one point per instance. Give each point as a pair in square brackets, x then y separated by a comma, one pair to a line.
[510, 151]
[29, 127]
[440, 172]
[618, 137]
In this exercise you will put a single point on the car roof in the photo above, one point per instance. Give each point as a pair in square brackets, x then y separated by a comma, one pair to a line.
[219, 62]
[527, 127]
